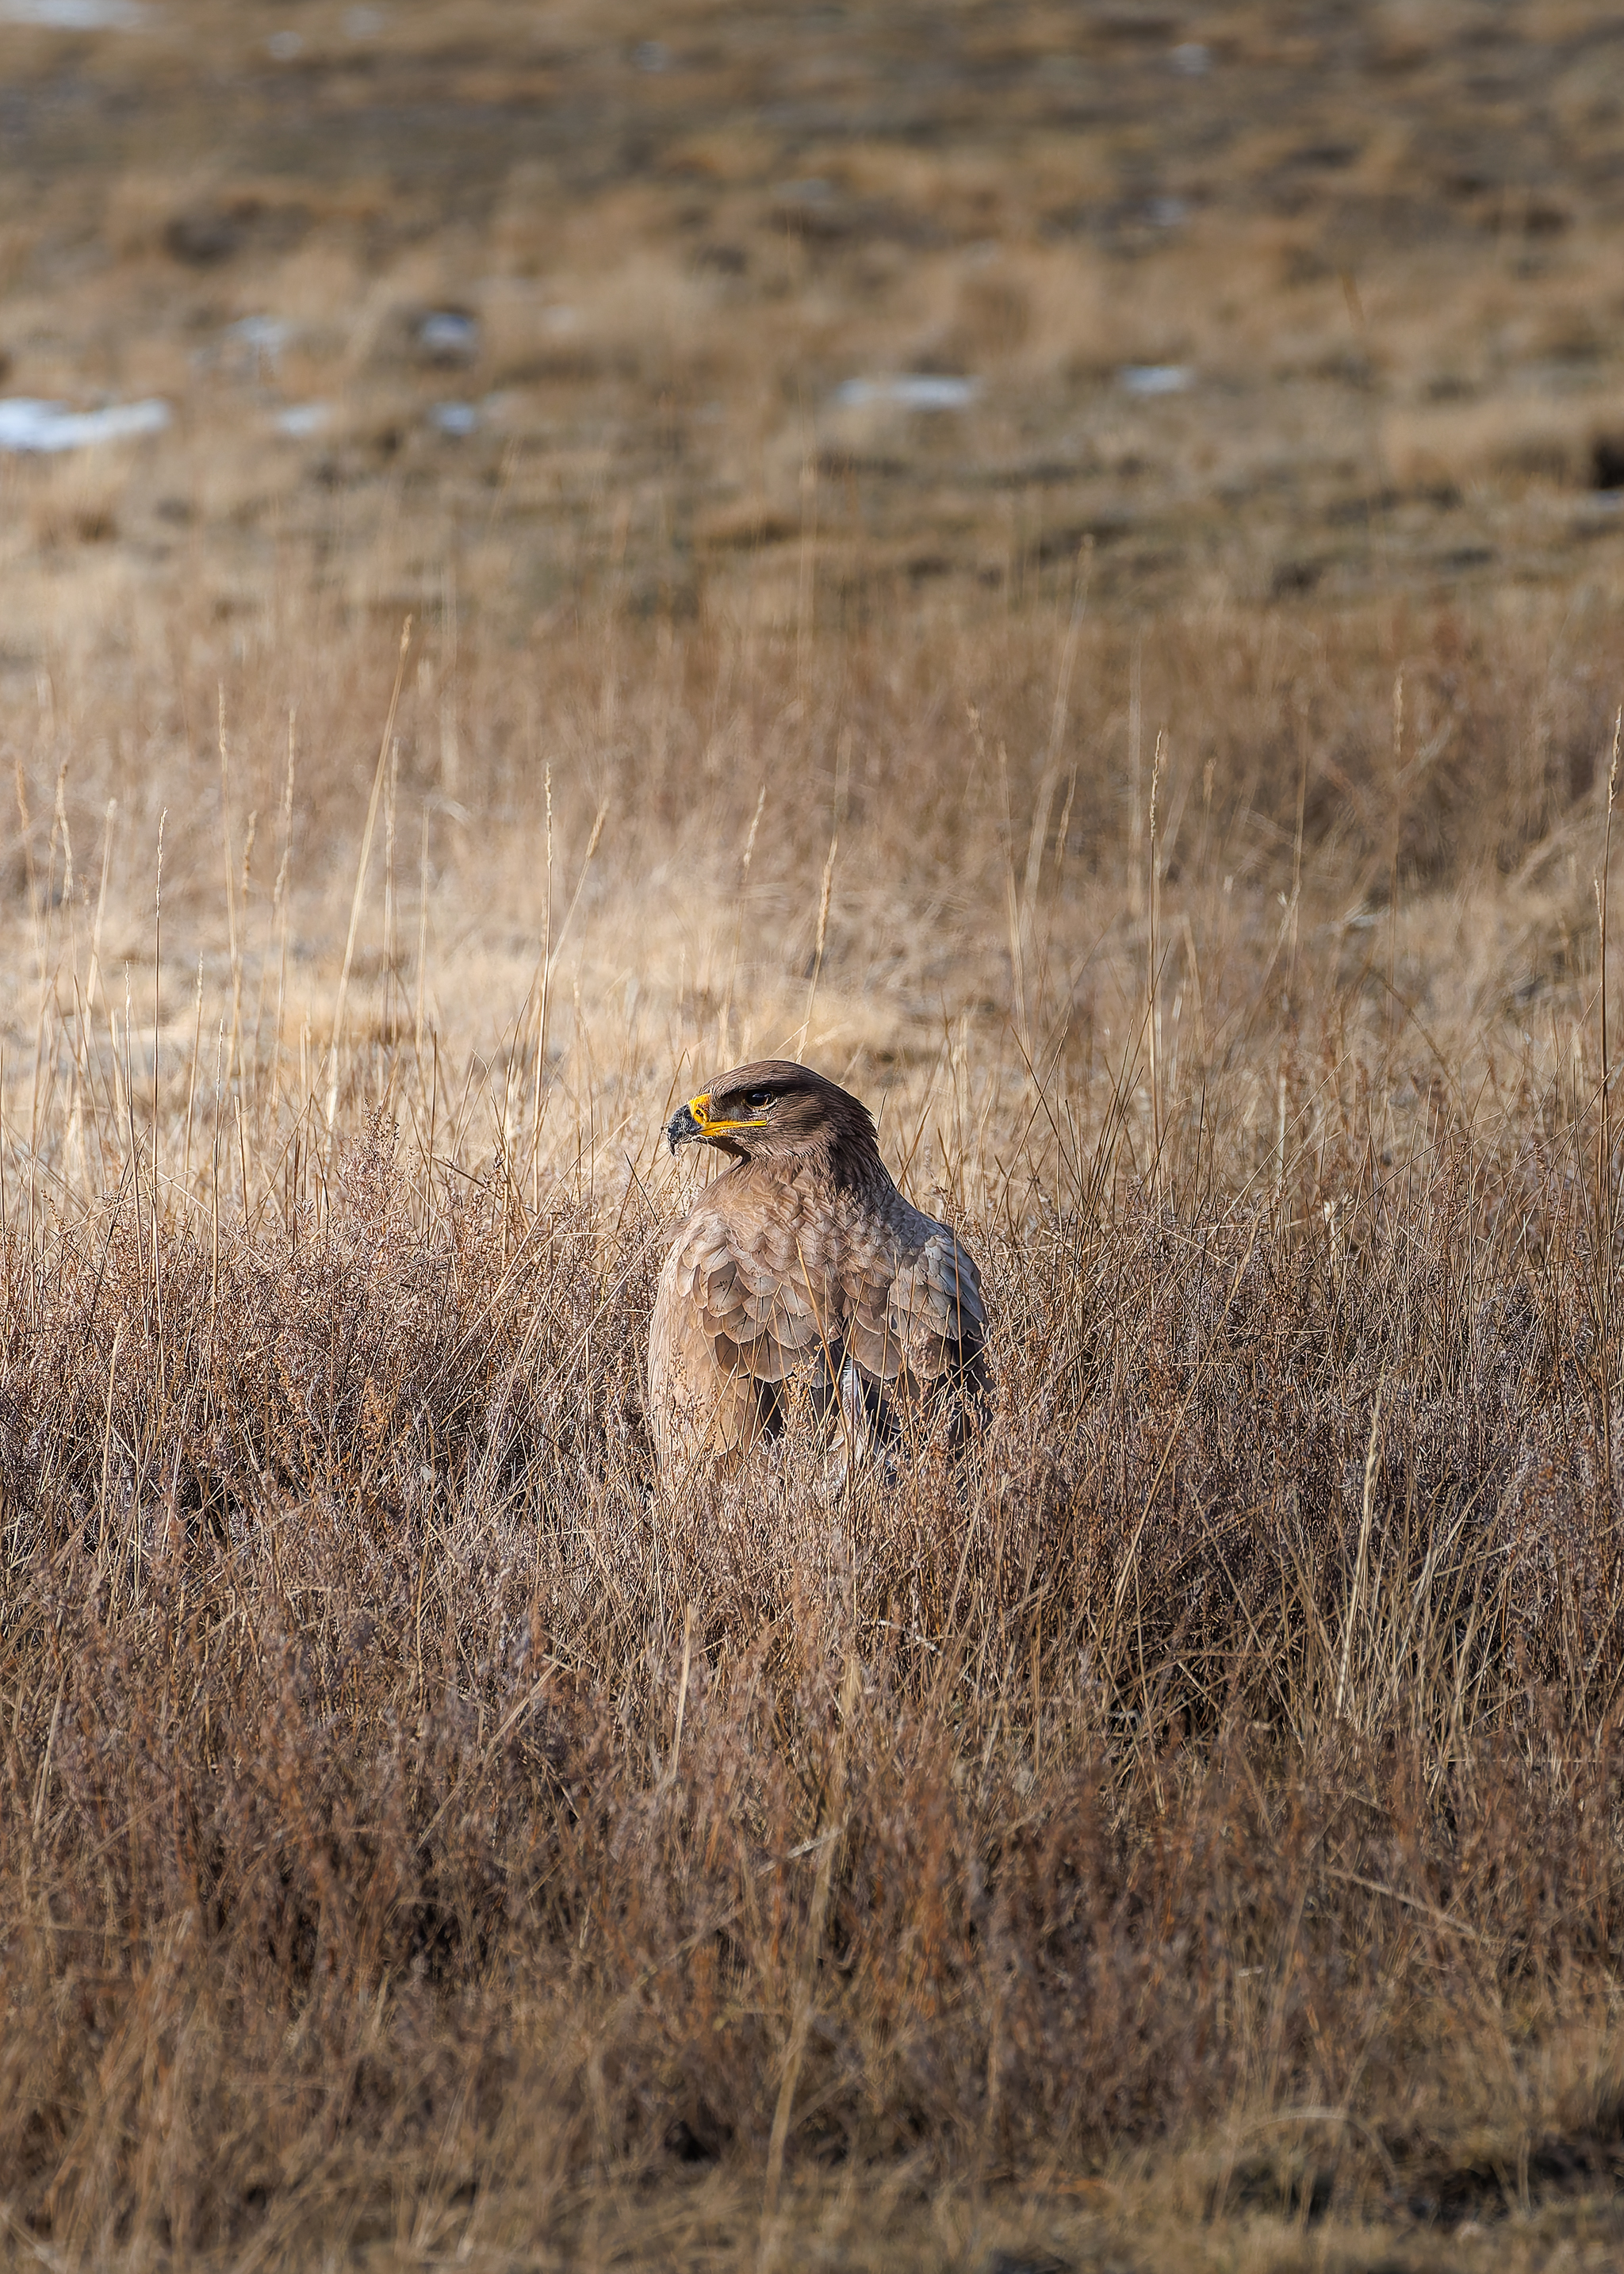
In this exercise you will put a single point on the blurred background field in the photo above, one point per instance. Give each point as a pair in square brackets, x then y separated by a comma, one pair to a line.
[734, 404]
[1066, 559]
[1366, 251]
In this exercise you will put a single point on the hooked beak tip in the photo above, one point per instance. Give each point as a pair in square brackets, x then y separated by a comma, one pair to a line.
[681, 1128]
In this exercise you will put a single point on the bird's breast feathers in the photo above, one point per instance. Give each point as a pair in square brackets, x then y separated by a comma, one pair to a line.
[771, 1291]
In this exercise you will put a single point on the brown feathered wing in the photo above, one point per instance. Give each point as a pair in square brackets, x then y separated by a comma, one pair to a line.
[870, 1321]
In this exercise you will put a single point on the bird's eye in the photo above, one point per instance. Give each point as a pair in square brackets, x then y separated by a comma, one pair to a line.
[758, 1100]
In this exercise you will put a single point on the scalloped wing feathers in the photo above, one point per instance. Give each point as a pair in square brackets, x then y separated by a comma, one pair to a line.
[764, 1287]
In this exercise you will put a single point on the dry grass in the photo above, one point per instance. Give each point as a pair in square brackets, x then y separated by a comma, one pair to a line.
[1213, 1779]
[1187, 1831]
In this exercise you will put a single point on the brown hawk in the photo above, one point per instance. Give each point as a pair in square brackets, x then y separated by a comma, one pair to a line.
[802, 1269]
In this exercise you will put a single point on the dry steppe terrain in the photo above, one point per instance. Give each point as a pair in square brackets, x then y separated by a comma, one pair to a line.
[1066, 561]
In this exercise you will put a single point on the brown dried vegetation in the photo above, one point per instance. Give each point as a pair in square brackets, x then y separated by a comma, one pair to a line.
[409, 1820]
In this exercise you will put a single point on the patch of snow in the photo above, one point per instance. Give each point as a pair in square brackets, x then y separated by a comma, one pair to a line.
[909, 390]
[454, 418]
[448, 336]
[258, 341]
[27, 424]
[1155, 378]
[76, 15]
[302, 418]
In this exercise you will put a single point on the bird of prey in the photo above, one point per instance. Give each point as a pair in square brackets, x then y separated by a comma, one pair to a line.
[802, 1273]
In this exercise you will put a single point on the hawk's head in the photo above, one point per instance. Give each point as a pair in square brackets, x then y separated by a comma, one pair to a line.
[776, 1111]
